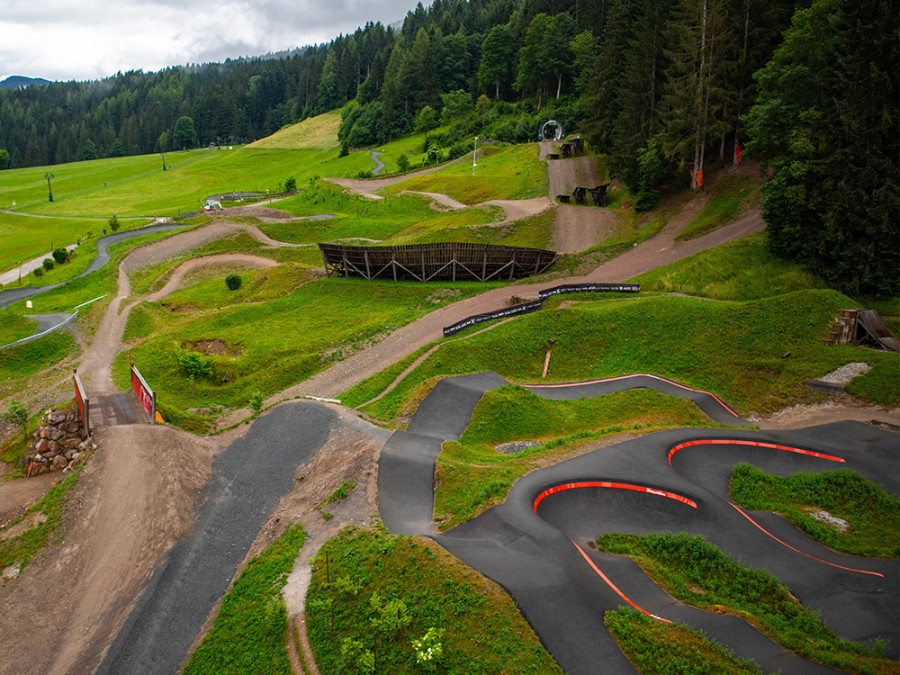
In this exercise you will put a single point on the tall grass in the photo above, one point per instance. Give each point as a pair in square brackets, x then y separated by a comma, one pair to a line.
[249, 633]
[359, 572]
[657, 648]
[698, 573]
[871, 513]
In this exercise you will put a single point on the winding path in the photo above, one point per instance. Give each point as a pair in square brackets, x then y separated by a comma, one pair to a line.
[538, 543]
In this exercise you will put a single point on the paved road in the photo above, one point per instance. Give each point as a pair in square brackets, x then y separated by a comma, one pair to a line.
[249, 479]
[538, 548]
[12, 295]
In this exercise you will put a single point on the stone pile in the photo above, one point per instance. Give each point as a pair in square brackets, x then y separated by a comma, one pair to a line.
[58, 443]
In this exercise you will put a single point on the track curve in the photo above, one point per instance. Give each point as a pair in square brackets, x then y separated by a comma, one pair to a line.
[537, 544]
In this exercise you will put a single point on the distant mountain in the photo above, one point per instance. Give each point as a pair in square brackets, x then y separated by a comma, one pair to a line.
[20, 82]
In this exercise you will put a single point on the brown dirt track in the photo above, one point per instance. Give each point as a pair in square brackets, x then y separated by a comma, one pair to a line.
[140, 489]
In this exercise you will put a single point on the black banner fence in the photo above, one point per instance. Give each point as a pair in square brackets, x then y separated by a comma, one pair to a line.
[515, 310]
[535, 305]
[589, 288]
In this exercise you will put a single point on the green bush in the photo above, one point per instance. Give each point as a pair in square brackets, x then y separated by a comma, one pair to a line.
[114, 224]
[60, 255]
[38, 271]
[233, 281]
[48, 264]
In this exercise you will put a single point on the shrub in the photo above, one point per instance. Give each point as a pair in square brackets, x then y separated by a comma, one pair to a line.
[290, 184]
[403, 163]
[16, 414]
[114, 224]
[233, 281]
[196, 365]
[48, 264]
[38, 271]
[256, 402]
[60, 255]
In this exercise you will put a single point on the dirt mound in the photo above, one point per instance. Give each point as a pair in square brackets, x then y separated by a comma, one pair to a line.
[136, 495]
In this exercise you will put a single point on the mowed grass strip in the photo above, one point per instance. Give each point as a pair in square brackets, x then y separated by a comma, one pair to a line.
[734, 350]
[249, 633]
[700, 574]
[513, 172]
[471, 476]
[657, 648]
[372, 592]
[871, 514]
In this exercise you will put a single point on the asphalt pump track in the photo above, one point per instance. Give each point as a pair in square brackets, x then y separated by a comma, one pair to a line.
[538, 543]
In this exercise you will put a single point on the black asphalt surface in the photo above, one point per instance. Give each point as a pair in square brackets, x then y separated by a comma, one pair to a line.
[249, 478]
[543, 555]
[12, 295]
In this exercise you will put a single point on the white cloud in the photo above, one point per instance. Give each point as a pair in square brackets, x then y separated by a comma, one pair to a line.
[92, 39]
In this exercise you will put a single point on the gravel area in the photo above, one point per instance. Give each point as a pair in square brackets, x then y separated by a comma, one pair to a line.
[516, 447]
[846, 373]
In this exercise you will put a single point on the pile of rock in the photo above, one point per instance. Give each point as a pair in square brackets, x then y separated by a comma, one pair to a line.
[58, 443]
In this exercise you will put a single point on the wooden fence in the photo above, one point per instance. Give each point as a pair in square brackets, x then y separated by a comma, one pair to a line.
[436, 262]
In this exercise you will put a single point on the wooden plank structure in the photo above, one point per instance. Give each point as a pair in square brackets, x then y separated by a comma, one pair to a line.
[450, 261]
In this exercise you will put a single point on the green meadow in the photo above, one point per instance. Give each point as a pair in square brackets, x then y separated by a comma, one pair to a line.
[513, 172]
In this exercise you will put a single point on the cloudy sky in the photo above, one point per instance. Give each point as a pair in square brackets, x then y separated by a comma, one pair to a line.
[92, 39]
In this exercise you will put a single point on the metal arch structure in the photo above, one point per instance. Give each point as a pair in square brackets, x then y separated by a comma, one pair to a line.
[560, 130]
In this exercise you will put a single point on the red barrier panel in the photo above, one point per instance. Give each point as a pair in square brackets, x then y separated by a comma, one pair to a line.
[757, 444]
[145, 395]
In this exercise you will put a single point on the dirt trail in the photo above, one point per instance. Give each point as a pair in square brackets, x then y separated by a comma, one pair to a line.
[137, 493]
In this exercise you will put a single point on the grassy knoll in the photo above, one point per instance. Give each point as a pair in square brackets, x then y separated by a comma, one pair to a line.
[15, 327]
[471, 476]
[314, 133]
[503, 173]
[268, 346]
[732, 349]
[657, 648]
[698, 573]
[742, 269]
[248, 635]
[38, 525]
[400, 219]
[372, 594]
[728, 195]
[872, 515]
[19, 364]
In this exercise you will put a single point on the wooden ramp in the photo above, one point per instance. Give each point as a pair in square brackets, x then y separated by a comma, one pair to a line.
[870, 328]
[116, 409]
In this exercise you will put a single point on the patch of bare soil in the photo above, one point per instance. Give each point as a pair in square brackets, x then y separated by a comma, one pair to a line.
[216, 346]
[17, 496]
[837, 409]
[136, 496]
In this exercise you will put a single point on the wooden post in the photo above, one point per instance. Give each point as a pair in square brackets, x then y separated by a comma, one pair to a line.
[547, 363]
[368, 271]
